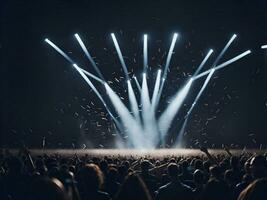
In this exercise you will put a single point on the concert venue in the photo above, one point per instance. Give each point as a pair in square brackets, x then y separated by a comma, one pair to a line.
[133, 100]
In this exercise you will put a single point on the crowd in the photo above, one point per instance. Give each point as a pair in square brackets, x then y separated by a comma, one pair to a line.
[84, 177]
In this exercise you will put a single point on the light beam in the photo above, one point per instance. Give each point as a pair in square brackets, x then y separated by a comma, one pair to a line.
[201, 91]
[156, 89]
[168, 115]
[174, 38]
[120, 56]
[132, 127]
[88, 55]
[168, 60]
[223, 64]
[224, 50]
[95, 90]
[70, 60]
[203, 62]
[145, 52]
[133, 102]
[137, 83]
[264, 46]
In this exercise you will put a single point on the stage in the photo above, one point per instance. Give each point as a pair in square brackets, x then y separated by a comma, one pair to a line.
[135, 152]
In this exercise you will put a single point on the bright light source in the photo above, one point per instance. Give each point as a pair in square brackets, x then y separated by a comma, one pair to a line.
[264, 46]
[120, 55]
[156, 89]
[203, 62]
[224, 64]
[145, 52]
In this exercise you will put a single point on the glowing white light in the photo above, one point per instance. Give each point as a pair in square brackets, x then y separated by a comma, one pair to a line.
[70, 60]
[264, 46]
[120, 55]
[88, 55]
[156, 89]
[174, 38]
[145, 52]
[224, 64]
[168, 60]
[59, 50]
[89, 74]
[94, 89]
[137, 84]
[168, 115]
[201, 91]
[133, 129]
[133, 102]
[223, 51]
[145, 133]
[203, 62]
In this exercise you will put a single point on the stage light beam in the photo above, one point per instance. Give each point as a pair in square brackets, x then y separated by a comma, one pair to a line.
[224, 50]
[96, 92]
[201, 91]
[133, 102]
[236, 58]
[156, 90]
[120, 55]
[168, 115]
[70, 60]
[174, 38]
[165, 72]
[88, 55]
[203, 62]
[137, 83]
[145, 53]
[133, 129]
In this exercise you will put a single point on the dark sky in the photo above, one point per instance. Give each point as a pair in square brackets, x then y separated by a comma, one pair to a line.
[42, 96]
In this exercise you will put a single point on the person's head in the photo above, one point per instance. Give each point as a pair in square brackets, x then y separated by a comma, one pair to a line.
[247, 178]
[91, 177]
[133, 188]
[229, 176]
[206, 166]
[214, 189]
[173, 171]
[258, 166]
[145, 165]
[198, 177]
[198, 164]
[103, 166]
[184, 165]
[47, 188]
[112, 174]
[254, 191]
[215, 172]
[234, 162]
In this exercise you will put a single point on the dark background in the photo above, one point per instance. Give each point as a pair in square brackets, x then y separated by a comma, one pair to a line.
[43, 96]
